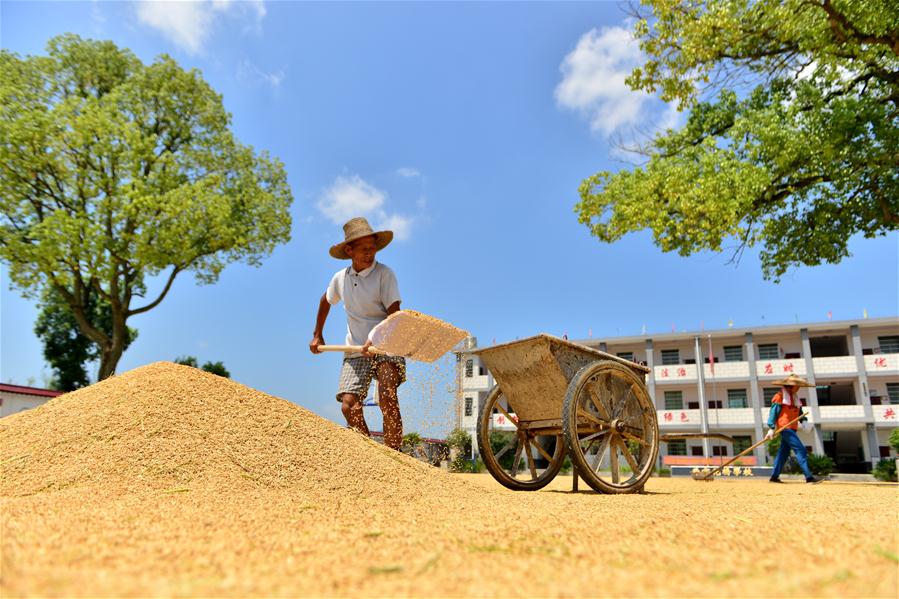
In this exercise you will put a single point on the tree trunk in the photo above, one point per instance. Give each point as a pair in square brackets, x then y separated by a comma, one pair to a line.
[109, 359]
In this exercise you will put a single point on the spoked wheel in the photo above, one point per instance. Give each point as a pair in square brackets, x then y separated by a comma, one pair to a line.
[610, 427]
[516, 457]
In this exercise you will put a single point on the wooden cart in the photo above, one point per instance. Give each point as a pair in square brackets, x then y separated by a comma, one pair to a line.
[555, 398]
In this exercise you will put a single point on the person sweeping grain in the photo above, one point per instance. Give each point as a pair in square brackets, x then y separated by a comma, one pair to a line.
[786, 407]
[370, 293]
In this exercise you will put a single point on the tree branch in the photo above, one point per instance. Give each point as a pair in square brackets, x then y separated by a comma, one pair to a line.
[155, 303]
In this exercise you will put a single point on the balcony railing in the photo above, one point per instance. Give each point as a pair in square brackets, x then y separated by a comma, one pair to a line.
[886, 414]
[479, 383]
[835, 365]
[850, 411]
[675, 373]
[726, 370]
[882, 364]
[779, 368]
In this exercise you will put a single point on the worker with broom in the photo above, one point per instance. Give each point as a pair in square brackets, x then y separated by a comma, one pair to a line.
[786, 407]
[370, 293]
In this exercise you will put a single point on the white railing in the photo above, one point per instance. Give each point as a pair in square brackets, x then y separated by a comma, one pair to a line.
[679, 418]
[674, 373]
[779, 368]
[726, 370]
[731, 416]
[882, 363]
[476, 383]
[888, 414]
[842, 412]
[835, 365]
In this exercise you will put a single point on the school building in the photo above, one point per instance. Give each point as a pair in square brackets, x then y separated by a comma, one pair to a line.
[18, 398]
[722, 382]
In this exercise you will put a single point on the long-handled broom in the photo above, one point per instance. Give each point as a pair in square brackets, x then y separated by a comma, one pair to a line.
[708, 476]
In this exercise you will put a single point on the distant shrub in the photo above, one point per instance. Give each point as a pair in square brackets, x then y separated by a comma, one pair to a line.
[820, 465]
[885, 470]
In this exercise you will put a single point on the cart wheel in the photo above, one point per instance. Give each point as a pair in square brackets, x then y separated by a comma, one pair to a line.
[511, 456]
[610, 427]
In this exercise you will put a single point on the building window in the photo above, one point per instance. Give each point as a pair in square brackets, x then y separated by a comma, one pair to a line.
[741, 443]
[884, 451]
[627, 355]
[469, 368]
[677, 447]
[670, 357]
[468, 406]
[769, 393]
[719, 450]
[733, 353]
[768, 351]
[715, 404]
[482, 371]
[736, 398]
[893, 392]
[674, 400]
[696, 450]
[828, 436]
[889, 344]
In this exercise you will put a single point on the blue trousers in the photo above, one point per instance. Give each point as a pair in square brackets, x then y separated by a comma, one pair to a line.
[790, 440]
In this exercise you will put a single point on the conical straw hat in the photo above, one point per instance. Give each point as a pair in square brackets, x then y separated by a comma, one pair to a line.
[793, 381]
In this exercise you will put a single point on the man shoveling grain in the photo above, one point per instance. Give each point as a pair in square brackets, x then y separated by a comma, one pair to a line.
[370, 293]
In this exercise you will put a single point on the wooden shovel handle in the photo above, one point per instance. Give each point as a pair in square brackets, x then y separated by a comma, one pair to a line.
[748, 449]
[350, 348]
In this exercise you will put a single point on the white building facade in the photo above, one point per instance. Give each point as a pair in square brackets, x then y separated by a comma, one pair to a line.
[18, 398]
[853, 406]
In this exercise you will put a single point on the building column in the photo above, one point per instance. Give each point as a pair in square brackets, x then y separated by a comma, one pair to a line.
[651, 377]
[818, 439]
[761, 452]
[703, 407]
[870, 433]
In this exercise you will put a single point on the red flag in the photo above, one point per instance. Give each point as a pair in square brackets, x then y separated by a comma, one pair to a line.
[711, 357]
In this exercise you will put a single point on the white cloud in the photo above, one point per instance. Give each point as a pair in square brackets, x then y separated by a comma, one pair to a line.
[408, 172]
[250, 74]
[348, 197]
[351, 196]
[593, 79]
[189, 24]
[593, 85]
[400, 225]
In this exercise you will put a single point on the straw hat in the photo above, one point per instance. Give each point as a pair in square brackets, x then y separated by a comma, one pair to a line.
[793, 380]
[357, 228]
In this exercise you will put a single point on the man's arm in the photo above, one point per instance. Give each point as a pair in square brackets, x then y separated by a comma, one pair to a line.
[323, 309]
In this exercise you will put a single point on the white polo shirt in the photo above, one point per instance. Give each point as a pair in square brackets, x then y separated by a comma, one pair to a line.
[366, 296]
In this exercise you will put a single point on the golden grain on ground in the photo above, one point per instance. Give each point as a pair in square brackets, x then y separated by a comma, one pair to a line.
[170, 481]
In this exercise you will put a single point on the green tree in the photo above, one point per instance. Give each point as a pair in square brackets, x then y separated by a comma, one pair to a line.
[217, 368]
[187, 361]
[212, 367]
[66, 348]
[790, 142]
[113, 172]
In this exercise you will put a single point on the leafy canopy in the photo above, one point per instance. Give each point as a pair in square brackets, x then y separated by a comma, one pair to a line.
[113, 171]
[791, 138]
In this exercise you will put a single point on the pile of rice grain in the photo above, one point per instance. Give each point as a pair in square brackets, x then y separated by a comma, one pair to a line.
[168, 481]
[171, 428]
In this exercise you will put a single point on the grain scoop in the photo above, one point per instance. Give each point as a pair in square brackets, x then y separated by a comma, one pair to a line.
[409, 334]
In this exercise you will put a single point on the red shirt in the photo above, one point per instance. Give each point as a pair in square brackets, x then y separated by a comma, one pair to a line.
[787, 413]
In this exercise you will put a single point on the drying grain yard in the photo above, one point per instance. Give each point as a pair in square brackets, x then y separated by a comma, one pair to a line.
[170, 481]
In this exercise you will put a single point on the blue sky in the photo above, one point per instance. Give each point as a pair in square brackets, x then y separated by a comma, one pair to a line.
[466, 128]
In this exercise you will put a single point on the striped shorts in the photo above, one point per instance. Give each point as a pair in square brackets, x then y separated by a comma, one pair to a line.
[357, 372]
